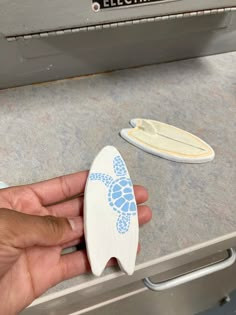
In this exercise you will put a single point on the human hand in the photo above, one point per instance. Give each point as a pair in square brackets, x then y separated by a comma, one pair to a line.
[37, 222]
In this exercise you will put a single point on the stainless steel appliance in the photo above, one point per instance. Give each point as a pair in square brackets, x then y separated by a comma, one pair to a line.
[48, 40]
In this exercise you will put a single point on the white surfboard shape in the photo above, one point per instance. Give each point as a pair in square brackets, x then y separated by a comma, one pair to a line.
[167, 141]
[110, 213]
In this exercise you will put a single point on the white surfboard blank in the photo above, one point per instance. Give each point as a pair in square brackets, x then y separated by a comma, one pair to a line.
[110, 213]
[167, 141]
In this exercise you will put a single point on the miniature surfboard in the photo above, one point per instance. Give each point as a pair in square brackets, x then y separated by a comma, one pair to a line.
[110, 213]
[167, 141]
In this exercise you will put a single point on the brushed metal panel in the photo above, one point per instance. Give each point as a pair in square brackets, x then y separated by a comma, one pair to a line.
[27, 16]
[135, 298]
[56, 57]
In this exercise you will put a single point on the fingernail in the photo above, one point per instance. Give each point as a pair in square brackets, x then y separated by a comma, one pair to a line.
[76, 224]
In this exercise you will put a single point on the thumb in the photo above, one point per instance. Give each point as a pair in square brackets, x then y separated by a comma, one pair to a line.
[22, 230]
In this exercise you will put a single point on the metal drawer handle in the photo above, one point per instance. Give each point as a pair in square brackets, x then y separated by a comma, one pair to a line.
[192, 275]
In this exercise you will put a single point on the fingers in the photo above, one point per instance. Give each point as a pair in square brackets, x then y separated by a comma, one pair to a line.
[141, 194]
[73, 243]
[74, 207]
[70, 208]
[144, 214]
[65, 187]
[75, 264]
[72, 265]
[60, 188]
[21, 230]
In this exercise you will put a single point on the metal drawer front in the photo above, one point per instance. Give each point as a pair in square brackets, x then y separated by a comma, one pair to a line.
[41, 57]
[24, 17]
[135, 298]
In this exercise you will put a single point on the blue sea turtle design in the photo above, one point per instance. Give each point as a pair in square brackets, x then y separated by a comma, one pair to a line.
[120, 194]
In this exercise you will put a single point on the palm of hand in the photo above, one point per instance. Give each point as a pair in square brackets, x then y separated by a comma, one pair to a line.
[33, 270]
[25, 274]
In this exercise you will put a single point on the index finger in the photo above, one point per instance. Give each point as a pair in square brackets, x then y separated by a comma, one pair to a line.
[61, 188]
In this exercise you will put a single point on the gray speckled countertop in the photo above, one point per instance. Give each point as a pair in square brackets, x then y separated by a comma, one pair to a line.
[57, 128]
